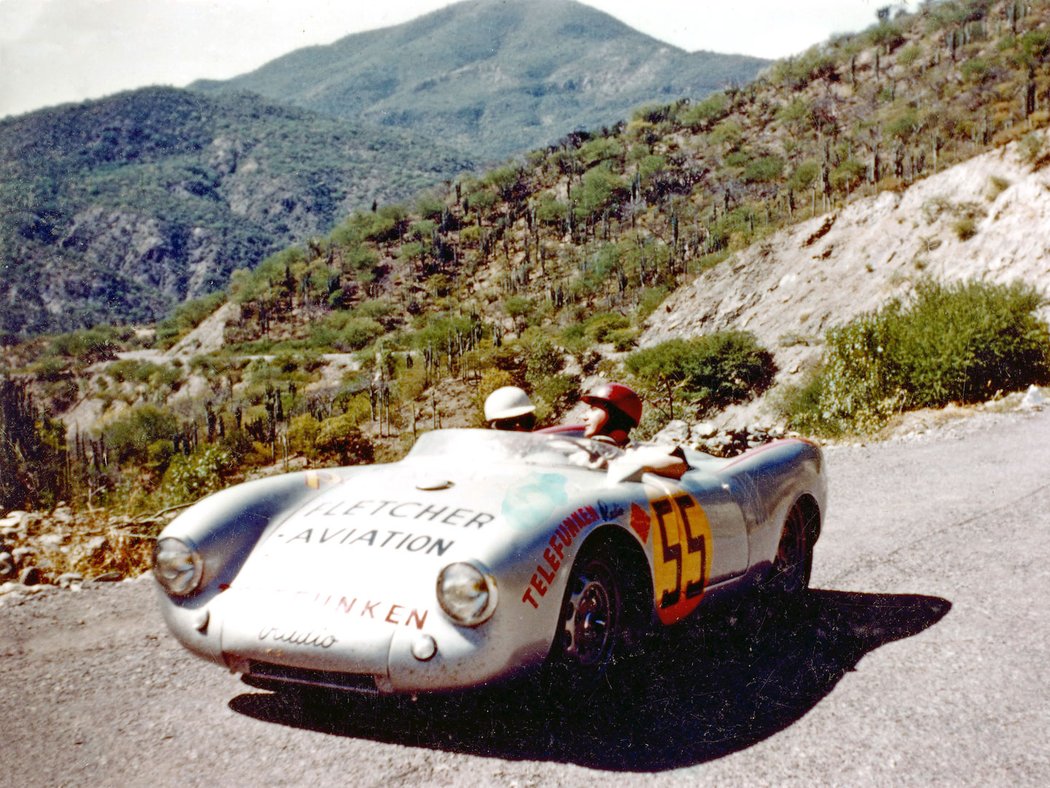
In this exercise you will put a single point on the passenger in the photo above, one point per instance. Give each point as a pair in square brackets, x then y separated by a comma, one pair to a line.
[614, 411]
[509, 408]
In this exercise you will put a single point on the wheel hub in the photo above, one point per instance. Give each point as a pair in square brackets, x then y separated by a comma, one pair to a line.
[588, 623]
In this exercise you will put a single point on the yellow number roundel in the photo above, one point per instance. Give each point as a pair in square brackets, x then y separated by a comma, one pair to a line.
[681, 555]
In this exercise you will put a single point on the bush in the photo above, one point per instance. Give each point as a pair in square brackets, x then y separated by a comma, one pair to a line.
[340, 441]
[191, 477]
[131, 433]
[302, 433]
[711, 110]
[553, 395]
[600, 188]
[186, 317]
[707, 372]
[599, 327]
[345, 332]
[88, 345]
[950, 343]
[550, 211]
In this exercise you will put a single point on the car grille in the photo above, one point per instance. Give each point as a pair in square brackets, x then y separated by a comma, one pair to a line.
[351, 682]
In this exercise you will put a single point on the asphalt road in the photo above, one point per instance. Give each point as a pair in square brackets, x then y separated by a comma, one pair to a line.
[924, 659]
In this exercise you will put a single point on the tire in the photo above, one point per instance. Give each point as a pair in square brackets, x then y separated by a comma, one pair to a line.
[592, 631]
[789, 575]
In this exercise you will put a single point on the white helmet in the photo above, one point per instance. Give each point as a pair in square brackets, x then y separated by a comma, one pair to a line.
[507, 403]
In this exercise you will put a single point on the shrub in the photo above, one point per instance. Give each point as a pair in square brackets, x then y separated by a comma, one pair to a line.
[554, 395]
[340, 441]
[764, 169]
[623, 339]
[345, 332]
[701, 115]
[600, 188]
[302, 433]
[553, 391]
[88, 345]
[949, 343]
[964, 228]
[599, 327]
[708, 372]
[130, 434]
[649, 300]
[550, 211]
[186, 317]
[191, 477]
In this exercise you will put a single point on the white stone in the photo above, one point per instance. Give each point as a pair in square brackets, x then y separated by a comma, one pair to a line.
[1033, 398]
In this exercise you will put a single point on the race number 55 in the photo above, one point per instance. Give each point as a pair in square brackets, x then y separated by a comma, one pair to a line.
[681, 555]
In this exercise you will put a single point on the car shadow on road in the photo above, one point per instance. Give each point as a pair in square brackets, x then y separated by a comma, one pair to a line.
[692, 695]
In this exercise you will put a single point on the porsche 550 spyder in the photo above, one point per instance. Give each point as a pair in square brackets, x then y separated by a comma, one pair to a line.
[479, 556]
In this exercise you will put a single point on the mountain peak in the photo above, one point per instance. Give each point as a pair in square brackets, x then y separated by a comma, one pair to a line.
[494, 76]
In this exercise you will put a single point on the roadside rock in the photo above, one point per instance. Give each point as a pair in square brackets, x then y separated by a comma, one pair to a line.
[65, 547]
[1033, 399]
[7, 566]
[31, 576]
[14, 524]
[69, 579]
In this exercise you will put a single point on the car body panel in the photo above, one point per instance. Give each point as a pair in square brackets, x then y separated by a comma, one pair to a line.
[334, 573]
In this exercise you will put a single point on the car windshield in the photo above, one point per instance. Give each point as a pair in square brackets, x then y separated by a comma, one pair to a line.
[532, 448]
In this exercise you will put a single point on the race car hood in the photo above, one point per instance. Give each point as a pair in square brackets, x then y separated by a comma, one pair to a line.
[394, 523]
[360, 562]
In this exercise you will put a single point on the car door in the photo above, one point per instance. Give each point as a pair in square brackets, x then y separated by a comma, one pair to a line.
[699, 539]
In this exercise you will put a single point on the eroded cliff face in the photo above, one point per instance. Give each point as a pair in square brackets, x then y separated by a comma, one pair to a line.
[988, 218]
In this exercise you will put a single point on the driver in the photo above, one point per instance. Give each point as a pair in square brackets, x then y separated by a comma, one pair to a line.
[509, 408]
[614, 411]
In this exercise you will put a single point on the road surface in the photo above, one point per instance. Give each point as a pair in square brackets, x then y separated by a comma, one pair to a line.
[924, 659]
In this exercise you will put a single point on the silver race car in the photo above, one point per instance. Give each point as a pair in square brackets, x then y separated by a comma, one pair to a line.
[479, 556]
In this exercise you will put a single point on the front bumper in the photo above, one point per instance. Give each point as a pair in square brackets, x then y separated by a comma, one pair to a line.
[355, 643]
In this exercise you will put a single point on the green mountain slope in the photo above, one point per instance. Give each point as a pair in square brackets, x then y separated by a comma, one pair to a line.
[116, 210]
[498, 76]
[570, 251]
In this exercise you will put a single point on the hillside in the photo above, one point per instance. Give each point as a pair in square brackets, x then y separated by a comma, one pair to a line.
[794, 286]
[492, 76]
[836, 181]
[119, 209]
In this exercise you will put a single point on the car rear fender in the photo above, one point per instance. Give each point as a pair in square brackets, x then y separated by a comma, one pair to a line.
[784, 473]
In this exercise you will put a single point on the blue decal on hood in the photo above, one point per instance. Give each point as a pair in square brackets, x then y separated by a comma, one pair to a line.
[535, 501]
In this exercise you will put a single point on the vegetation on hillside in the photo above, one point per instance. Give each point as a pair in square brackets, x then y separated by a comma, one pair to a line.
[948, 343]
[124, 207]
[542, 271]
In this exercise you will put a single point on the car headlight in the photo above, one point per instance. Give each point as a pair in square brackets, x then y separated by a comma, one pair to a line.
[177, 566]
[466, 594]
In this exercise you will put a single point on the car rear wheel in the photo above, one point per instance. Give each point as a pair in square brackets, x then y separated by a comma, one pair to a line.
[789, 576]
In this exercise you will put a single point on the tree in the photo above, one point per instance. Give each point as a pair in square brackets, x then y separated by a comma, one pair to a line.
[32, 450]
[600, 189]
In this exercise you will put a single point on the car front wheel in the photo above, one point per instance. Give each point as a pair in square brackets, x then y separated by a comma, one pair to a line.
[591, 629]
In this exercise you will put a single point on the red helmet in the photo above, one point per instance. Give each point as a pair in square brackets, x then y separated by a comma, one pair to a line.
[617, 396]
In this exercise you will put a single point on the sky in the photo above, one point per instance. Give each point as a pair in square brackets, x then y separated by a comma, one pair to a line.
[56, 51]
